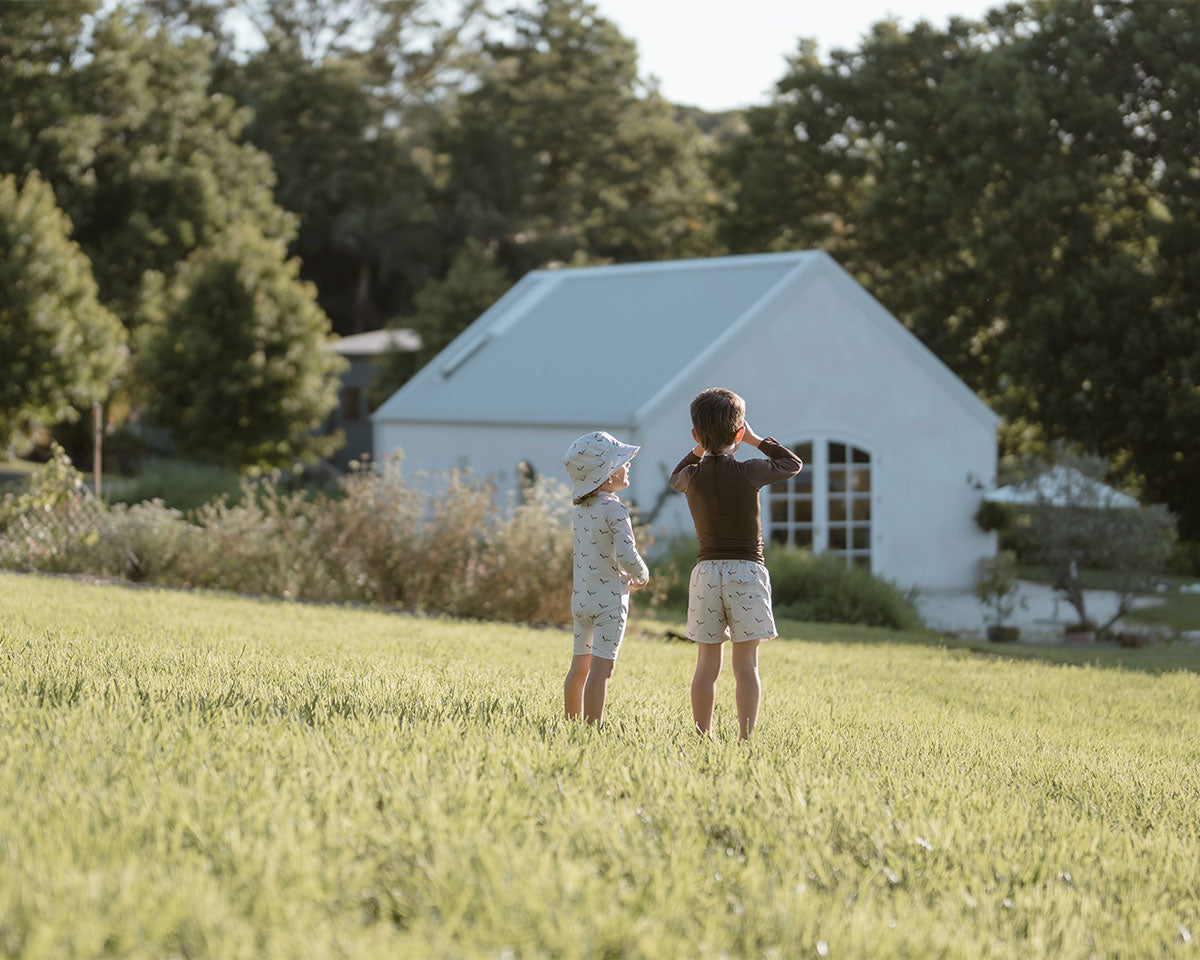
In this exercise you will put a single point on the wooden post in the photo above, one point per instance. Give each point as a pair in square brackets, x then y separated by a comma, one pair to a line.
[98, 440]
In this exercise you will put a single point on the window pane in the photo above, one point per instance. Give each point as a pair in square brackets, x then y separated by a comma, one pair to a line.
[837, 538]
[351, 404]
[862, 538]
[804, 452]
[860, 509]
[862, 561]
[779, 507]
[803, 509]
[837, 509]
[860, 480]
[802, 482]
[860, 456]
[837, 453]
[803, 538]
[780, 537]
[837, 480]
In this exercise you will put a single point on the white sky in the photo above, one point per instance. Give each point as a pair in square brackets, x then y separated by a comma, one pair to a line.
[719, 54]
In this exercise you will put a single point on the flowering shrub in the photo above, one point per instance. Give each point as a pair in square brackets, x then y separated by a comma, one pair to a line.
[381, 539]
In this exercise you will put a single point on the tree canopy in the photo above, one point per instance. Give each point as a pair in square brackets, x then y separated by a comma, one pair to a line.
[234, 363]
[1020, 192]
[60, 349]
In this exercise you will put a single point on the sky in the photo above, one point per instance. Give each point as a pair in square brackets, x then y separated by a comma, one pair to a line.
[720, 54]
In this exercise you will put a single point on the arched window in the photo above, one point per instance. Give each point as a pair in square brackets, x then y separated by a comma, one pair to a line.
[827, 506]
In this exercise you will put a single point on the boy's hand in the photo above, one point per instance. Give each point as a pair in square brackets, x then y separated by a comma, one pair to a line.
[638, 584]
[750, 436]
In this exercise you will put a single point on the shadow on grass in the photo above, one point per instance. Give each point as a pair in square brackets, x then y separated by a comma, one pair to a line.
[1166, 657]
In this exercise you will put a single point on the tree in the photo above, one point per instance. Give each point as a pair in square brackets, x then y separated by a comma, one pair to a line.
[560, 153]
[1021, 193]
[146, 161]
[168, 171]
[234, 359]
[1073, 529]
[366, 218]
[60, 349]
[345, 94]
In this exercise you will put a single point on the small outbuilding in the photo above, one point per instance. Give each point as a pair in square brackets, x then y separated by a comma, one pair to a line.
[353, 413]
[897, 450]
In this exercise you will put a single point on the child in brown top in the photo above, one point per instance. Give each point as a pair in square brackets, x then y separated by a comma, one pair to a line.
[729, 597]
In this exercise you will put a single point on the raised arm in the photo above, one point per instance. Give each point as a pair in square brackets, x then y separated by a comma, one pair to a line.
[780, 464]
[682, 474]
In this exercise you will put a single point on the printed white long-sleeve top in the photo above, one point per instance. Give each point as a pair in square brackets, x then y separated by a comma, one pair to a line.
[606, 557]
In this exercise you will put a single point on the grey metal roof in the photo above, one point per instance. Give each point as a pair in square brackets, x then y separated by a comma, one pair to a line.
[610, 344]
[587, 345]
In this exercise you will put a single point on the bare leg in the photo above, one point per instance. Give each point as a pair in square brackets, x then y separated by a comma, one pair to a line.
[704, 685]
[749, 690]
[596, 689]
[573, 685]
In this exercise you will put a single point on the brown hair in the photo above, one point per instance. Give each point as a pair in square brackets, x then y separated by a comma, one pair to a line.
[717, 415]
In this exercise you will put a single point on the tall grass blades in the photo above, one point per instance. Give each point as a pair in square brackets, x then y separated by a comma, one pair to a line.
[200, 775]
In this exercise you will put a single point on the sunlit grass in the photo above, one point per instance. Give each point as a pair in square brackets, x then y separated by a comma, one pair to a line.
[207, 776]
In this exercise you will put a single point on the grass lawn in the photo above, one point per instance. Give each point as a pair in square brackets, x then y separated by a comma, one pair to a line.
[207, 776]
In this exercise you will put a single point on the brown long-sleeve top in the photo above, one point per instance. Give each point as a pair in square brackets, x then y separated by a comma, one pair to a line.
[722, 494]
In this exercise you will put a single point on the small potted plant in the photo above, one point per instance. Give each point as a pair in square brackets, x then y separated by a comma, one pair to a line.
[998, 591]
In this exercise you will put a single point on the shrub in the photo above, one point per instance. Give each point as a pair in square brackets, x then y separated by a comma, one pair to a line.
[804, 586]
[379, 539]
[821, 587]
[52, 519]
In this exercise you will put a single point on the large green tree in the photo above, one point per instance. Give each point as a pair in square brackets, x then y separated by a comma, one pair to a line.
[168, 171]
[60, 349]
[38, 44]
[234, 360]
[1004, 188]
[345, 94]
[366, 220]
[562, 154]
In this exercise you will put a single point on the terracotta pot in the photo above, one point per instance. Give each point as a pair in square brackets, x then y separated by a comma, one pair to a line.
[1000, 634]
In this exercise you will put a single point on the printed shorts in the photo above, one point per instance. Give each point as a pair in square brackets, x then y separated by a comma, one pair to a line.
[730, 600]
[600, 633]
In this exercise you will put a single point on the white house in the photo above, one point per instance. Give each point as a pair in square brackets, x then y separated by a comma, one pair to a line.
[897, 450]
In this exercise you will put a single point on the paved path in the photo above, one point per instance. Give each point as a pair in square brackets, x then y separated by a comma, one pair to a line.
[1042, 618]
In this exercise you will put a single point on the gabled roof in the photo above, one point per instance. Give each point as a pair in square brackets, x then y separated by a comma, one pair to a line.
[609, 344]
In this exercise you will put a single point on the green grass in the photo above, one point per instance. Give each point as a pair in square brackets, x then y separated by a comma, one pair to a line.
[208, 776]
[1178, 611]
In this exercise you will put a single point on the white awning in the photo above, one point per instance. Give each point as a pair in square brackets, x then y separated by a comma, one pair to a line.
[1060, 487]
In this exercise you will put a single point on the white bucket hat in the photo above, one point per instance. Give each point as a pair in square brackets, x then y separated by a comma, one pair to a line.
[593, 458]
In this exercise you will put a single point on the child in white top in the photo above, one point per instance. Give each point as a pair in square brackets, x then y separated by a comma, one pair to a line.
[607, 567]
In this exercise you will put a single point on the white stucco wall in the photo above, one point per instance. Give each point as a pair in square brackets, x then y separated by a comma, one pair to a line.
[819, 366]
